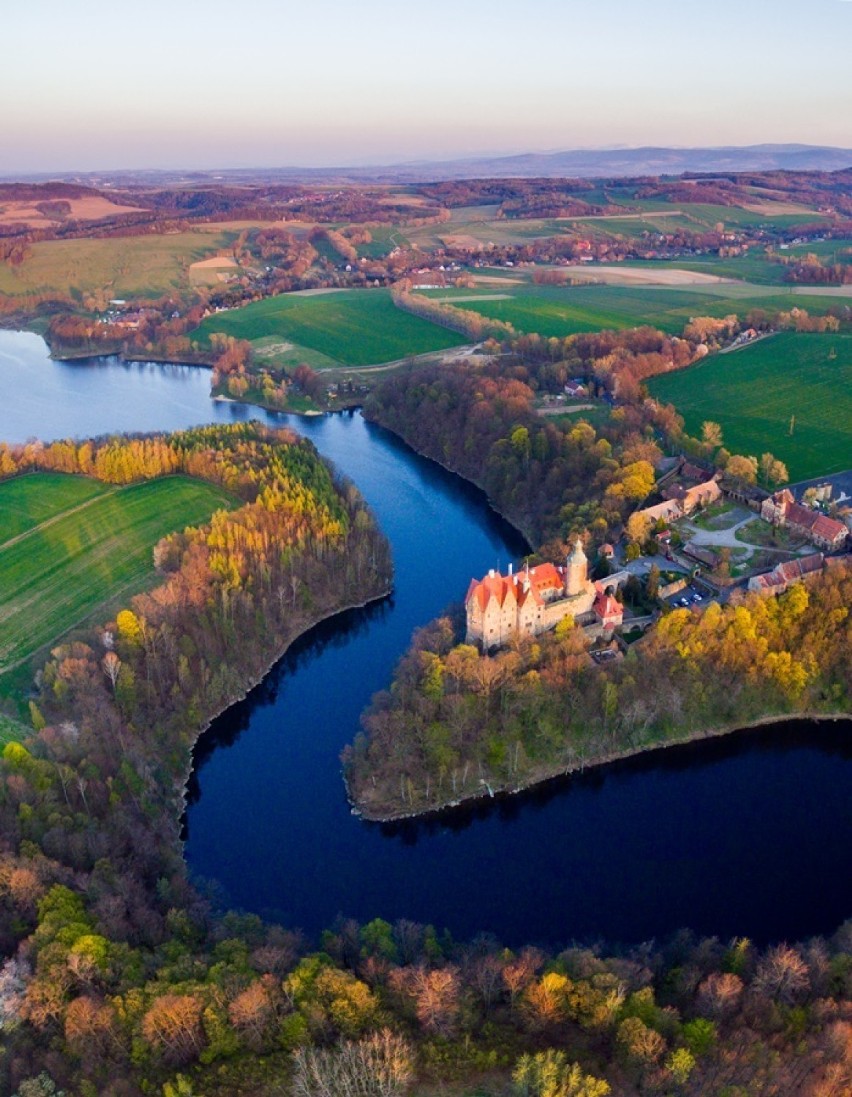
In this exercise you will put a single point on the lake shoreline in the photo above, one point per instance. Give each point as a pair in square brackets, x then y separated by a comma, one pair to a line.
[182, 782]
[548, 774]
[513, 522]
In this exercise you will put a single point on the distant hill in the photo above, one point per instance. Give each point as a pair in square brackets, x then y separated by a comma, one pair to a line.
[582, 163]
[642, 161]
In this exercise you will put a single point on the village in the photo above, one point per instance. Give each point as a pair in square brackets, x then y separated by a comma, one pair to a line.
[708, 538]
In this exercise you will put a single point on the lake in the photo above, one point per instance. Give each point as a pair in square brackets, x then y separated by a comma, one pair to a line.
[746, 835]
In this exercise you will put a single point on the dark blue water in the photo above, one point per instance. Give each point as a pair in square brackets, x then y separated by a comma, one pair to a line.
[746, 835]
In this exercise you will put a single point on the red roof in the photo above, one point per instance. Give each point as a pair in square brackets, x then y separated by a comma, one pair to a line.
[542, 579]
[606, 606]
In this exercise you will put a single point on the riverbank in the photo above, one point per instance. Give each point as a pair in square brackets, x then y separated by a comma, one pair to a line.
[252, 682]
[510, 519]
[547, 774]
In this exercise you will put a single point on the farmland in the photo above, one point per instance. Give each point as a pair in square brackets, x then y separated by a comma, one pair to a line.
[563, 310]
[754, 392]
[133, 266]
[70, 544]
[349, 327]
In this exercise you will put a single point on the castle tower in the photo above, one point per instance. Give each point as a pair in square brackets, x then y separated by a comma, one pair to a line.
[576, 571]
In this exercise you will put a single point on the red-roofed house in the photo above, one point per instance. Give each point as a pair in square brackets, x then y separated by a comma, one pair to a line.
[608, 611]
[783, 510]
[784, 575]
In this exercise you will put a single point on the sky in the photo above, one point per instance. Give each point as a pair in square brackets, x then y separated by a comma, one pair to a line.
[91, 85]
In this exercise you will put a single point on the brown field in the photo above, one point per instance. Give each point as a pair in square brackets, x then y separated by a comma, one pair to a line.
[412, 200]
[207, 272]
[496, 280]
[462, 240]
[82, 209]
[634, 276]
[778, 209]
[213, 262]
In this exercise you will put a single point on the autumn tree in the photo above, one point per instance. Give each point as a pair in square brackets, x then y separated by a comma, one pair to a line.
[380, 1065]
[711, 434]
[550, 1074]
[742, 468]
[772, 471]
[172, 1025]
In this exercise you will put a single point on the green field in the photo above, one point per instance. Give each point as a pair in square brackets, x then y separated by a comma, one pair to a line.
[753, 392]
[640, 215]
[349, 327]
[756, 267]
[68, 545]
[384, 239]
[564, 310]
[130, 266]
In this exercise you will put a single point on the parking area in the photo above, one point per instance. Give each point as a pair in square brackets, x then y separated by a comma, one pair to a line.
[689, 596]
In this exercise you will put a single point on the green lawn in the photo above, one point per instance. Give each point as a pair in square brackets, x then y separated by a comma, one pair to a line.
[754, 392]
[64, 552]
[351, 327]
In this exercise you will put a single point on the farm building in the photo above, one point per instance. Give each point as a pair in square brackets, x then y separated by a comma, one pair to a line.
[784, 575]
[695, 496]
[783, 510]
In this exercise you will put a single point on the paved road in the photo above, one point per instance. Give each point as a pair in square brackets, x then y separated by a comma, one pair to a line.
[842, 482]
[721, 538]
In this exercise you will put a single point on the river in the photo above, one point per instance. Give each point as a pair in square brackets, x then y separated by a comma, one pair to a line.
[746, 835]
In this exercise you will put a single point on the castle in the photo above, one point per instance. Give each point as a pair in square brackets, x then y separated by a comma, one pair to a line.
[536, 599]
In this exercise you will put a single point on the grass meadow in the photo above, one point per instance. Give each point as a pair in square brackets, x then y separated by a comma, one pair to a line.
[69, 545]
[754, 392]
[131, 266]
[360, 327]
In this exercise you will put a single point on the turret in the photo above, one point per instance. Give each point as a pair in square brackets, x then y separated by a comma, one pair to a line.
[576, 571]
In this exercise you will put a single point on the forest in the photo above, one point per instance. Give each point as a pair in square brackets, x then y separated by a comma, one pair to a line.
[552, 481]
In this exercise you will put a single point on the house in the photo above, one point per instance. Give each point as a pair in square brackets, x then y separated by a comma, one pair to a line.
[532, 601]
[609, 612]
[698, 495]
[606, 551]
[669, 511]
[784, 575]
[781, 509]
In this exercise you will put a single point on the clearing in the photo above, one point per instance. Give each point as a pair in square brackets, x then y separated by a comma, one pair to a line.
[360, 327]
[757, 393]
[70, 544]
